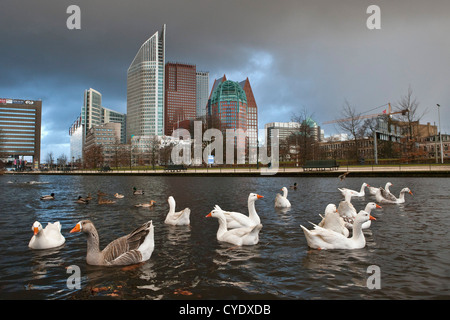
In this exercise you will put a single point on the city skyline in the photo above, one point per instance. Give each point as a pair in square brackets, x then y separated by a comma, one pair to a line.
[301, 54]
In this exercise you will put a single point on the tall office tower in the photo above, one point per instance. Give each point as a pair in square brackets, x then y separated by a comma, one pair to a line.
[77, 139]
[145, 88]
[20, 129]
[252, 114]
[91, 112]
[202, 93]
[180, 94]
[229, 106]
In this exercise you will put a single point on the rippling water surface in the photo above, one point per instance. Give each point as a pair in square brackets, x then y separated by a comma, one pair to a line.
[408, 242]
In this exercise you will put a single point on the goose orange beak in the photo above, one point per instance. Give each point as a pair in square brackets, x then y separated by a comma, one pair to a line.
[76, 228]
[372, 218]
[259, 197]
[379, 207]
[410, 192]
[208, 215]
[36, 231]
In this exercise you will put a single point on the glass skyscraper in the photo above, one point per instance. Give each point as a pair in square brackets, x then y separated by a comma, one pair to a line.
[145, 88]
[202, 92]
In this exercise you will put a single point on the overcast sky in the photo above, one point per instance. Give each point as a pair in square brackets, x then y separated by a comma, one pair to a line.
[297, 54]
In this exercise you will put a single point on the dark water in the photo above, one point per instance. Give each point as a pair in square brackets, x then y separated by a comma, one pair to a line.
[408, 242]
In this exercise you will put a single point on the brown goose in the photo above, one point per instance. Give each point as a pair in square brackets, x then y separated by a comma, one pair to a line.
[133, 248]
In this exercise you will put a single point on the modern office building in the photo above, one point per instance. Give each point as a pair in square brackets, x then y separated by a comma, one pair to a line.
[202, 93]
[180, 94]
[77, 138]
[93, 114]
[109, 116]
[252, 113]
[286, 129]
[228, 108]
[232, 105]
[145, 88]
[105, 135]
[20, 129]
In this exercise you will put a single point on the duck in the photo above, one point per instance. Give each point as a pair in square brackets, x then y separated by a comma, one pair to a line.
[373, 190]
[118, 196]
[48, 197]
[105, 201]
[384, 197]
[294, 186]
[325, 239]
[100, 193]
[133, 248]
[348, 212]
[177, 218]
[239, 236]
[47, 238]
[82, 200]
[238, 220]
[354, 193]
[146, 205]
[281, 201]
[333, 221]
[136, 191]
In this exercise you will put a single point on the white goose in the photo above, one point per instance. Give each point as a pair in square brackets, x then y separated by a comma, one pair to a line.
[333, 221]
[353, 193]
[383, 196]
[244, 236]
[238, 220]
[281, 201]
[321, 238]
[348, 212]
[177, 218]
[47, 238]
[373, 190]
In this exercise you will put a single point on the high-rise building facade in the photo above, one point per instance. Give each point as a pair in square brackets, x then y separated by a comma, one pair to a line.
[233, 105]
[109, 116]
[180, 94]
[202, 93]
[20, 129]
[252, 113]
[93, 114]
[228, 106]
[145, 88]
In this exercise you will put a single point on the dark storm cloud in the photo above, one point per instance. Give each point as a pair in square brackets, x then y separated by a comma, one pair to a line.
[297, 54]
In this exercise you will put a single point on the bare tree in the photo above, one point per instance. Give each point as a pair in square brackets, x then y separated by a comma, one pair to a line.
[62, 160]
[410, 103]
[305, 139]
[411, 120]
[351, 125]
[93, 156]
[50, 159]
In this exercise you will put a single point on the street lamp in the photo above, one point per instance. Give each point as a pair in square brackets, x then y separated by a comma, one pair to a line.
[440, 137]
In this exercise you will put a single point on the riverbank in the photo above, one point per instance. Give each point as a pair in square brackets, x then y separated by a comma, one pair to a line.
[367, 171]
